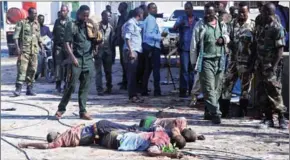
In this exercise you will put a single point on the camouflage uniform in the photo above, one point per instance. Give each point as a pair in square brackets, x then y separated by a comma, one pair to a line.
[28, 34]
[104, 58]
[269, 37]
[59, 52]
[241, 39]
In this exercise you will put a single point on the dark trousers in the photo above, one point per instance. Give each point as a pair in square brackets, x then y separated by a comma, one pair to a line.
[105, 126]
[186, 73]
[140, 71]
[152, 62]
[84, 76]
[131, 68]
[104, 59]
[124, 78]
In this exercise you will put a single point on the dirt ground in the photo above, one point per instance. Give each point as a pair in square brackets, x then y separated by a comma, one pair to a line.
[234, 139]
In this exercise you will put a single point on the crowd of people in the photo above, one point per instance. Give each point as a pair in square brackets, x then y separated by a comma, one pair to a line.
[214, 52]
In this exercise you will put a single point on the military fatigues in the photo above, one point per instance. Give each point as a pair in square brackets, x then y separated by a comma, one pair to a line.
[76, 33]
[239, 67]
[28, 34]
[104, 58]
[59, 52]
[269, 37]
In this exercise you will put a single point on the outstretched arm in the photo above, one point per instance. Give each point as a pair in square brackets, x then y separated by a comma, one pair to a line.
[34, 145]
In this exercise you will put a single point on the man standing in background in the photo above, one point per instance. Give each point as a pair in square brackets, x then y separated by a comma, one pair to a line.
[132, 50]
[27, 42]
[118, 41]
[152, 50]
[44, 30]
[59, 52]
[104, 55]
[185, 25]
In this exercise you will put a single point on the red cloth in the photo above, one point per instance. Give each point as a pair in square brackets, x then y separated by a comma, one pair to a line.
[169, 123]
[158, 138]
[70, 138]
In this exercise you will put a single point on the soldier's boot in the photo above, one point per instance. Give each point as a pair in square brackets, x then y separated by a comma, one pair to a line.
[225, 107]
[268, 121]
[207, 115]
[108, 91]
[182, 93]
[18, 89]
[58, 86]
[243, 109]
[216, 119]
[282, 121]
[29, 91]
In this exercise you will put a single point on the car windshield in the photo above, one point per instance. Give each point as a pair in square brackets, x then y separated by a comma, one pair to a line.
[178, 13]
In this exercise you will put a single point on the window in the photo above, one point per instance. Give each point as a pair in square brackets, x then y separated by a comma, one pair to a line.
[178, 13]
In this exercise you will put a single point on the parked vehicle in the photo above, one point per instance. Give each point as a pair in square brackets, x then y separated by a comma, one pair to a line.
[168, 24]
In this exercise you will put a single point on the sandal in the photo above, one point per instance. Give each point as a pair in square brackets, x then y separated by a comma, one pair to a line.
[58, 115]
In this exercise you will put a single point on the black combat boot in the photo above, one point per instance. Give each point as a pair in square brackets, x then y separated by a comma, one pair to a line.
[18, 89]
[182, 93]
[282, 121]
[29, 91]
[225, 107]
[207, 115]
[58, 86]
[216, 119]
[243, 110]
[268, 121]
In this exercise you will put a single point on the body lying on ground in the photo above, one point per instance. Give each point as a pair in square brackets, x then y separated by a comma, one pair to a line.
[175, 127]
[110, 135]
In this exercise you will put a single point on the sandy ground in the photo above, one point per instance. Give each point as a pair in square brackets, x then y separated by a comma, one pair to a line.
[234, 139]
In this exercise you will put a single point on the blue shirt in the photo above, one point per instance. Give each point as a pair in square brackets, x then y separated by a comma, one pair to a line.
[185, 32]
[132, 31]
[283, 21]
[44, 31]
[151, 33]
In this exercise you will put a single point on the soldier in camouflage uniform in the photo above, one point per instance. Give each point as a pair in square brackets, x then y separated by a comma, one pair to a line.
[27, 41]
[104, 55]
[241, 35]
[59, 52]
[270, 42]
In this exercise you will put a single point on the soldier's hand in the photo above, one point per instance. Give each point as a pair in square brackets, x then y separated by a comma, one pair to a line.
[75, 61]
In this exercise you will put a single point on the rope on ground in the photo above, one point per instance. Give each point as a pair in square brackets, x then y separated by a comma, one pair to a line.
[16, 147]
[3, 135]
[32, 105]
